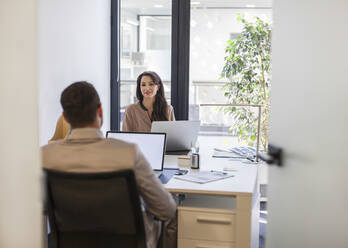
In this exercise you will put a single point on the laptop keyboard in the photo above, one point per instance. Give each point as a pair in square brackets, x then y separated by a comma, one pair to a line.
[245, 151]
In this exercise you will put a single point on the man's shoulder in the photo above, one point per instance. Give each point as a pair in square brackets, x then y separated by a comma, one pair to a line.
[109, 153]
[105, 142]
[52, 144]
[118, 143]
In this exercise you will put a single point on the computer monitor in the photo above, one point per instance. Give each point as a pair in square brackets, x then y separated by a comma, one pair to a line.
[150, 144]
[181, 135]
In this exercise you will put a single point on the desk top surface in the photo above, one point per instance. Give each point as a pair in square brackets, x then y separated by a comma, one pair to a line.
[243, 182]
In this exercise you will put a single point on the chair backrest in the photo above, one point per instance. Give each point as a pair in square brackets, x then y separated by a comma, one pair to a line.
[94, 210]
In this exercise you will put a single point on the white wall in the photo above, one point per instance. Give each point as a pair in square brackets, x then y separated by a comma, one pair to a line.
[20, 199]
[74, 39]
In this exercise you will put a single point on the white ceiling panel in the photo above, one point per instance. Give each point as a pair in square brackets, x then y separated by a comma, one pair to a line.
[158, 7]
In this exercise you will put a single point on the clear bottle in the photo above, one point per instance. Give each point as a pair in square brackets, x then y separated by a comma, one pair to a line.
[194, 158]
[195, 147]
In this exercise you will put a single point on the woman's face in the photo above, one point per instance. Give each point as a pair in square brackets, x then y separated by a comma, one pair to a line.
[148, 87]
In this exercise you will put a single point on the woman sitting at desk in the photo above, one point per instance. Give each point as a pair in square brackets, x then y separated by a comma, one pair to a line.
[62, 129]
[151, 105]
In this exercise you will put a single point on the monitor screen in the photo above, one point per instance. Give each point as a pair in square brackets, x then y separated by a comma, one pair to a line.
[150, 144]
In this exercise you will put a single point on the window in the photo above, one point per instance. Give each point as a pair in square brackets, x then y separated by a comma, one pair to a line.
[145, 38]
[212, 25]
[156, 36]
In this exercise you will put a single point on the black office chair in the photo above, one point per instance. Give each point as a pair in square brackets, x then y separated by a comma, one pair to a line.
[94, 210]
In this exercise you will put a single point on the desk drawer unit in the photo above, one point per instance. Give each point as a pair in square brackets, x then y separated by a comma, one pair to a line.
[189, 243]
[206, 224]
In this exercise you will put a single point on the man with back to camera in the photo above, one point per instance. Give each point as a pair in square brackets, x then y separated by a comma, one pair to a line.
[86, 150]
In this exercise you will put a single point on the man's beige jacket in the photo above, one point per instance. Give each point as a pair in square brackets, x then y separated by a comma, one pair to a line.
[85, 150]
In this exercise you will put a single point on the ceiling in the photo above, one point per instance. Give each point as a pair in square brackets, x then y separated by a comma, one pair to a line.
[164, 6]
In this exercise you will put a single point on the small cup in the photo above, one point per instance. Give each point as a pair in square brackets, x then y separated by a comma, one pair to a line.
[184, 161]
[195, 161]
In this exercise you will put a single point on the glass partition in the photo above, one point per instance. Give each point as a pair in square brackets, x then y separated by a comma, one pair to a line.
[145, 44]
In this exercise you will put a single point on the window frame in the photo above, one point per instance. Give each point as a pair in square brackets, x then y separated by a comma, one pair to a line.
[115, 65]
[180, 60]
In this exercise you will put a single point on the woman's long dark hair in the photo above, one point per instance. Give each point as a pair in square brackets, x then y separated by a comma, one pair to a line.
[160, 106]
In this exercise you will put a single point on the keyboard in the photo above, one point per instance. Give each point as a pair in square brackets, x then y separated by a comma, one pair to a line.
[245, 151]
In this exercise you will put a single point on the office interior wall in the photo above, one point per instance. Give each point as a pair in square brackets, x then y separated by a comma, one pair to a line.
[20, 199]
[307, 196]
[74, 45]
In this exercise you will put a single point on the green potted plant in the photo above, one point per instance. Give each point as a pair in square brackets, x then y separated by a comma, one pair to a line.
[248, 69]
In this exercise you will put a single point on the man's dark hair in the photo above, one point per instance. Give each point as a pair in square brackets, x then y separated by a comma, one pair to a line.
[80, 102]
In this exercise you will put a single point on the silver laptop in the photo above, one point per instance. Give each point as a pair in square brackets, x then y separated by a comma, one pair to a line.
[152, 145]
[181, 135]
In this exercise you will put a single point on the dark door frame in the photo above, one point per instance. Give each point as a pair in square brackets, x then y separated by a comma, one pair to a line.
[115, 66]
[181, 11]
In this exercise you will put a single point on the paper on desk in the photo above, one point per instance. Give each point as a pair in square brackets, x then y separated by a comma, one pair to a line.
[204, 176]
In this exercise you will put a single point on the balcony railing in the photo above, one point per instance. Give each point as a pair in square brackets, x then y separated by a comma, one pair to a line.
[213, 121]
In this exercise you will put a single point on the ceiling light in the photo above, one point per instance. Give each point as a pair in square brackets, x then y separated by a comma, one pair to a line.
[195, 3]
[158, 6]
[197, 39]
[250, 6]
[135, 23]
[150, 29]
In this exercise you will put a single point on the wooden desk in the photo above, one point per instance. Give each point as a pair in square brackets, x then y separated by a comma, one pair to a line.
[223, 213]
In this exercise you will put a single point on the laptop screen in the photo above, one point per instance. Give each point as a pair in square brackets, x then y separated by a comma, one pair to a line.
[181, 135]
[150, 144]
